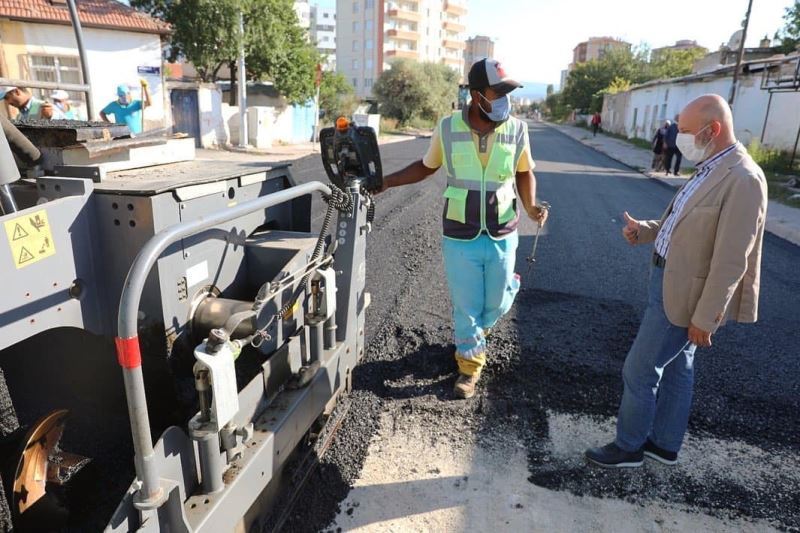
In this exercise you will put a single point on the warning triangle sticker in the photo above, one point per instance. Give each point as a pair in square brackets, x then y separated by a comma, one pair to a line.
[24, 256]
[19, 233]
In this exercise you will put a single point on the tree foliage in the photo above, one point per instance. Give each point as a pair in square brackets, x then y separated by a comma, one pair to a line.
[206, 33]
[336, 96]
[789, 35]
[411, 90]
[619, 69]
[674, 63]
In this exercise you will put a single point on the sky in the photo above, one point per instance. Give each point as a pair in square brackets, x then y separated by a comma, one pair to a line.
[535, 38]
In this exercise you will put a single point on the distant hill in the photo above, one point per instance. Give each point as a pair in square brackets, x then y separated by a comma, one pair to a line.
[531, 89]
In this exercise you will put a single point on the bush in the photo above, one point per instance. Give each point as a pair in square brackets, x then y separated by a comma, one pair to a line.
[769, 159]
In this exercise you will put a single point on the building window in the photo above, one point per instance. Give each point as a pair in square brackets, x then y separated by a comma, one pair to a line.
[355, 46]
[368, 26]
[356, 26]
[368, 4]
[355, 7]
[325, 15]
[355, 64]
[367, 83]
[368, 64]
[63, 69]
[368, 44]
[355, 82]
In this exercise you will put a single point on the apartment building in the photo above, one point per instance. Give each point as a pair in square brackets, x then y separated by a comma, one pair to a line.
[372, 33]
[477, 48]
[323, 34]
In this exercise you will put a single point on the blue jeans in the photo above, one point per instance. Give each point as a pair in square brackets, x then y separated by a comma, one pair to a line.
[659, 377]
[480, 275]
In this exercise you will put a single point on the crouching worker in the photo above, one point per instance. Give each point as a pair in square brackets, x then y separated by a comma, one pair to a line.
[486, 155]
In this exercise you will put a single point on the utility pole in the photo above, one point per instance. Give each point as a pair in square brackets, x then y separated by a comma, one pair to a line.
[740, 56]
[242, 81]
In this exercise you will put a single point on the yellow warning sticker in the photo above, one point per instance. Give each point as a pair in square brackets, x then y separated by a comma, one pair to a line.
[30, 238]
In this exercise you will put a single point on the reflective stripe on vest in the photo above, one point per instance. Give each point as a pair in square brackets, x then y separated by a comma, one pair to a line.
[473, 192]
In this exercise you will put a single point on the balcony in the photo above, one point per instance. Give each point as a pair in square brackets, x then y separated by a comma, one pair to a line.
[454, 27]
[405, 35]
[401, 14]
[407, 54]
[455, 9]
[454, 45]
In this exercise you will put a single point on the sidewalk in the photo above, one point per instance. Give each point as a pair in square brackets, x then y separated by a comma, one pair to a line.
[782, 220]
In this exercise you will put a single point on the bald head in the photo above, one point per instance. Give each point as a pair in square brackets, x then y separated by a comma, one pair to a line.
[708, 117]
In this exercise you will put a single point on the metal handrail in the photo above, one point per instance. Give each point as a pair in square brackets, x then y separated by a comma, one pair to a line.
[127, 341]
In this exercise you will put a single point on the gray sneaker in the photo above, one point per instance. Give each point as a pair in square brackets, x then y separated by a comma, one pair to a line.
[465, 385]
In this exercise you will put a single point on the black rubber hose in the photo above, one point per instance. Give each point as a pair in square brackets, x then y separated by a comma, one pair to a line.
[21, 145]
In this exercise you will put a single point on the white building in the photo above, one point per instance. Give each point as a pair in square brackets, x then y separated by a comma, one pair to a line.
[122, 46]
[757, 113]
[371, 33]
[303, 10]
[323, 34]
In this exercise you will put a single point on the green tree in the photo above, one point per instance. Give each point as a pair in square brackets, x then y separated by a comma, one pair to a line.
[587, 80]
[674, 63]
[336, 96]
[411, 90]
[789, 35]
[206, 33]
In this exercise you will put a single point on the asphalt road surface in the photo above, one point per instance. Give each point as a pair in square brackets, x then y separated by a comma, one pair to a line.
[560, 351]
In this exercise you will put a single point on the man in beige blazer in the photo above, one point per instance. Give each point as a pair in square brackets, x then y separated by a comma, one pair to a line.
[706, 269]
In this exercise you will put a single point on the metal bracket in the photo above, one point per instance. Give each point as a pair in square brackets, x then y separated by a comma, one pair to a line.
[96, 174]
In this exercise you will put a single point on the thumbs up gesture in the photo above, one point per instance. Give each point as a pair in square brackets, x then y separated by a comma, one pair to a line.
[631, 229]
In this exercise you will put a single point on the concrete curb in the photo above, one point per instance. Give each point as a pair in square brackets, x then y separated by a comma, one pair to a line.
[778, 215]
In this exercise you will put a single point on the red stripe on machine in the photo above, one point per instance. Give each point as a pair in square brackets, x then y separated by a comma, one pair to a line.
[128, 353]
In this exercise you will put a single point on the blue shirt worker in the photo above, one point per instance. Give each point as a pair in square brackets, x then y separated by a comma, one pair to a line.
[487, 157]
[126, 110]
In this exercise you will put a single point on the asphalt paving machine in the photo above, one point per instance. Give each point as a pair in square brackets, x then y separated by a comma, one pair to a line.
[207, 273]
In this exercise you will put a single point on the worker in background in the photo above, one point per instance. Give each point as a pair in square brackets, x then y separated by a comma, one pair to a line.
[486, 154]
[61, 102]
[126, 110]
[28, 105]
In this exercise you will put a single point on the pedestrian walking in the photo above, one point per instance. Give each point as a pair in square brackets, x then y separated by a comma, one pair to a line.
[705, 270]
[597, 121]
[487, 157]
[658, 147]
[672, 150]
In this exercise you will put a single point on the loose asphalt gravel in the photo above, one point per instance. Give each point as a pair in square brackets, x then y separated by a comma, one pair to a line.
[561, 350]
[556, 356]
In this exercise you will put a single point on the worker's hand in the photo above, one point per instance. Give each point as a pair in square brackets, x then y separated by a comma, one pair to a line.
[47, 110]
[538, 214]
[699, 337]
[143, 83]
[631, 229]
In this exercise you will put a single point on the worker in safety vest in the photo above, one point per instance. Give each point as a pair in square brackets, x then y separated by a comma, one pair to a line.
[487, 157]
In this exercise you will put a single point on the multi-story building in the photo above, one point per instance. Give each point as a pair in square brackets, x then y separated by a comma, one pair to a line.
[478, 47]
[590, 50]
[303, 10]
[323, 34]
[372, 33]
[596, 48]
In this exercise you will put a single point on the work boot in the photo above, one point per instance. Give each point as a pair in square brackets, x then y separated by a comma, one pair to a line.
[465, 385]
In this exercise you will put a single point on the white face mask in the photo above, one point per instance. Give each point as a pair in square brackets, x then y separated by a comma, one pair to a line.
[687, 144]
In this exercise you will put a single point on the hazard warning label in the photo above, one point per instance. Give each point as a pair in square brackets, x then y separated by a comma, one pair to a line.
[30, 238]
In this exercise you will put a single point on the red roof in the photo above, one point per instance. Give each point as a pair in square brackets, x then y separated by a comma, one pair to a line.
[93, 13]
